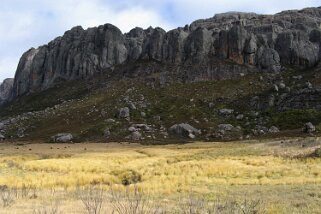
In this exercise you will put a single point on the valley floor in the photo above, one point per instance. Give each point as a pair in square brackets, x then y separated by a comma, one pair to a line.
[282, 176]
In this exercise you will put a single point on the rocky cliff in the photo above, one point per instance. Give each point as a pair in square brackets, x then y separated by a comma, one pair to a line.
[6, 90]
[221, 47]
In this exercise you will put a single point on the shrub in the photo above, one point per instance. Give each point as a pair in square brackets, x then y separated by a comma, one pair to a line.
[92, 198]
[7, 196]
[131, 202]
[129, 177]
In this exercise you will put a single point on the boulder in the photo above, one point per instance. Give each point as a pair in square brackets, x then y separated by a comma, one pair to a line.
[240, 117]
[142, 114]
[62, 138]
[260, 130]
[110, 120]
[132, 106]
[274, 129]
[136, 136]
[2, 137]
[225, 127]
[132, 129]
[309, 128]
[184, 130]
[282, 85]
[107, 133]
[309, 85]
[144, 127]
[123, 112]
[226, 112]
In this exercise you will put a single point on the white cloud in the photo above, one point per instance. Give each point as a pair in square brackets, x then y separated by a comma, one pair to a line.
[93, 13]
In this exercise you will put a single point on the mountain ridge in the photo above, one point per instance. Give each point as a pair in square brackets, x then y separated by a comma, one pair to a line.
[256, 42]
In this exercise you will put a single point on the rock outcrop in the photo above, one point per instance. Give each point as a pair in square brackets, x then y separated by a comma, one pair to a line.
[6, 90]
[221, 47]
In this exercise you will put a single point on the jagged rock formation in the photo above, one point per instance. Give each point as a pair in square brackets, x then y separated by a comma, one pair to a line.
[6, 90]
[217, 48]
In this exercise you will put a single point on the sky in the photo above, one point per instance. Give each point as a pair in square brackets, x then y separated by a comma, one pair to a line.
[31, 23]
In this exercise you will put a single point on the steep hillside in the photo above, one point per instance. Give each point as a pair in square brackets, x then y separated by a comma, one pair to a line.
[252, 106]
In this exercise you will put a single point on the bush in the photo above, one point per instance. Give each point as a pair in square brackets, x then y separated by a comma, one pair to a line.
[7, 196]
[129, 177]
[92, 198]
[132, 202]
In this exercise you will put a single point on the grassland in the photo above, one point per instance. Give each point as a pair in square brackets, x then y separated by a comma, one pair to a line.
[282, 173]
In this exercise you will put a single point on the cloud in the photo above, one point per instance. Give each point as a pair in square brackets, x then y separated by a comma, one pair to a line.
[97, 12]
[7, 65]
[25, 24]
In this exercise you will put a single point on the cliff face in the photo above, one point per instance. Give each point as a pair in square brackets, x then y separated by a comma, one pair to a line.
[216, 48]
[6, 90]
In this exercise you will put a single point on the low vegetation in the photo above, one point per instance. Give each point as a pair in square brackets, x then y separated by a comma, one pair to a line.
[261, 177]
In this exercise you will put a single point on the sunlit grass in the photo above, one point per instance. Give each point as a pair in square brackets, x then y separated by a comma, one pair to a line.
[161, 170]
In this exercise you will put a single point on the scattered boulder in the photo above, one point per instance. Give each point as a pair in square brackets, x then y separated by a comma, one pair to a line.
[274, 129]
[225, 127]
[107, 133]
[2, 126]
[141, 126]
[136, 136]
[143, 114]
[299, 77]
[240, 117]
[282, 85]
[260, 130]
[309, 128]
[132, 129]
[110, 120]
[184, 130]
[309, 85]
[123, 113]
[191, 136]
[226, 112]
[62, 138]
[276, 88]
[21, 132]
[132, 106]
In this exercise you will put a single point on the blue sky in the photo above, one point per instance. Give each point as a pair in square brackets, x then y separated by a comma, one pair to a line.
[31, 23]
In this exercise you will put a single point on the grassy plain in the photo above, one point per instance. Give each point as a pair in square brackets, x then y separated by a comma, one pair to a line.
[283, 173]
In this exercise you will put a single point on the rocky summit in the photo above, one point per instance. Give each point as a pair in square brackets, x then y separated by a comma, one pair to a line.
[221, 47]
[235, 75]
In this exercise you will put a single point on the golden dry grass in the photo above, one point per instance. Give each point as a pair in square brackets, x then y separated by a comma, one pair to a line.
[211, 169]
